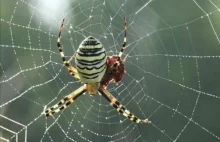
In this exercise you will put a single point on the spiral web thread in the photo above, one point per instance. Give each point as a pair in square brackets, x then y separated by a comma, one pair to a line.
[172, 58]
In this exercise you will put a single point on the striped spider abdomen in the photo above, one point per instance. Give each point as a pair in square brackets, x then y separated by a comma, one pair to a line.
[91, 60]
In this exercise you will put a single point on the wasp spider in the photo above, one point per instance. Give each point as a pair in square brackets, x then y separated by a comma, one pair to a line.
[96, 71]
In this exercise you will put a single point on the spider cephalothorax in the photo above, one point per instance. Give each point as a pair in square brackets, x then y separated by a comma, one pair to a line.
[96, 70]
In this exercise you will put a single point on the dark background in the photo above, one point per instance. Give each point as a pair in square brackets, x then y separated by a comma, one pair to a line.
[172, 65]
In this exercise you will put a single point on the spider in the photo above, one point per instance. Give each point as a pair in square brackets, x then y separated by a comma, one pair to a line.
[96, 71]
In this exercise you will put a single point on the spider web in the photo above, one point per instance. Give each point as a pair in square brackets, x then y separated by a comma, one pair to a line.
[172, 65]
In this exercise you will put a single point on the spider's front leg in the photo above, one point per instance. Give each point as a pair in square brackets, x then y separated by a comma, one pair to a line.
[72, 70]
[120, 108]
[66, 101]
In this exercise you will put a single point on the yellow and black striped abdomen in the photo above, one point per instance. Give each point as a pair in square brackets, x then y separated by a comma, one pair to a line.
[91, 60]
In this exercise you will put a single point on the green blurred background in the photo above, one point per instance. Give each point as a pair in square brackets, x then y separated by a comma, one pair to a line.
[172, 65]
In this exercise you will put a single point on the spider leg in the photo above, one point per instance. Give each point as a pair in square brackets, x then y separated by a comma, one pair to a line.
[66, 101]
[120, 108]
[125, 38]
[71, 58]
[72, 70]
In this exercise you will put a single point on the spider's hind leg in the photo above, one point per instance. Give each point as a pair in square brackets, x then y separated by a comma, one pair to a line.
[125, 38]
[72, 70]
